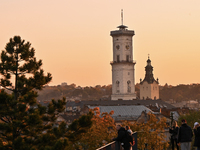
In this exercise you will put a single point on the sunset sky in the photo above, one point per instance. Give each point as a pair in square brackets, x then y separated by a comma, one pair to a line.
[72, 37]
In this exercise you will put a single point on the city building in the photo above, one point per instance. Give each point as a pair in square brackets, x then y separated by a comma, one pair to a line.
[123, 72]
[149, 87]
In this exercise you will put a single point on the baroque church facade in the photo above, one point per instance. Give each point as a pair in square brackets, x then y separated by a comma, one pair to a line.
[149, 87]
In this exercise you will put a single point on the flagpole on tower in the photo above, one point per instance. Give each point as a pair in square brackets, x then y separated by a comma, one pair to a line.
[122, 16]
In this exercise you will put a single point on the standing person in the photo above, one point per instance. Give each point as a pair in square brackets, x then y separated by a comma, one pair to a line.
[121, 135]
[129, 138]
[185, 136]
[197, 135]
[174, 134]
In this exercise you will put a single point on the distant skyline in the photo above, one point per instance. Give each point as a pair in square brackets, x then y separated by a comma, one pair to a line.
[73, 37]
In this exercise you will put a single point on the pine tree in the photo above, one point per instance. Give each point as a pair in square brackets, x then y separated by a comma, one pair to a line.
[24, 123]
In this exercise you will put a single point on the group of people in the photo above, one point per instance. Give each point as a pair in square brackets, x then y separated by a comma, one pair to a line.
[125, 137]
[180, 136]
[183, 136]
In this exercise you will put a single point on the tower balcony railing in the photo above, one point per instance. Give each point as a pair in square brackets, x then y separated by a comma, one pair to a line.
[117, 145]
[123, 61]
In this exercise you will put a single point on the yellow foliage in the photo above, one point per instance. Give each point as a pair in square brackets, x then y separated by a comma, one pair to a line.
[101, 132]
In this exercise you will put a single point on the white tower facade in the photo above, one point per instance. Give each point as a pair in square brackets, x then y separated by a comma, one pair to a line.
[123, 72]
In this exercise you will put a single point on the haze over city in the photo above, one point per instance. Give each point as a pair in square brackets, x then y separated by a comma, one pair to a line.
[73, 37]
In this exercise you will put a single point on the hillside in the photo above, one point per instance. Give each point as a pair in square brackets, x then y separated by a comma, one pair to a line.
[180, 92]
[72, 92]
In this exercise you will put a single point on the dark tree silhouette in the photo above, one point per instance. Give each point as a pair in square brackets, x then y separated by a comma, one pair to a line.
[24, 123]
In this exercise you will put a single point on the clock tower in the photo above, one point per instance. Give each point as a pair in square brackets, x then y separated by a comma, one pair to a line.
[123, 72]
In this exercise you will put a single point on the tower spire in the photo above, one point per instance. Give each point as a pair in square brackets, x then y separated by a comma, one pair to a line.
[122, 16]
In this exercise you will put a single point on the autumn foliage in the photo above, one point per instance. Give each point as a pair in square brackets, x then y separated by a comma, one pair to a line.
[100, 133]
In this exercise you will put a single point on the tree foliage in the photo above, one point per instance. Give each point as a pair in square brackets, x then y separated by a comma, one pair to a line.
[100, 133]
[191, 118]
[25, 124]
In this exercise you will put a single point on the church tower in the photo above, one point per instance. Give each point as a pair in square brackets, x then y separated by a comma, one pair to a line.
[123, 78]
[149, 87]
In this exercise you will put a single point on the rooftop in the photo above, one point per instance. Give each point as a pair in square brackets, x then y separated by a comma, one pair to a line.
[133, 110]
[157, 103]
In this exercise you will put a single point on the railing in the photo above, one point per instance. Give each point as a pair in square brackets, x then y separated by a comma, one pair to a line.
[111, 146]
[117, 145]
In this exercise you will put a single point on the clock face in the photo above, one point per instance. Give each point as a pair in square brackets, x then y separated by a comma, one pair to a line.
[117, 47]
[127, 47]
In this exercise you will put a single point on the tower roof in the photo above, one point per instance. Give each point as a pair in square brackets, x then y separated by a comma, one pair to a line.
[122, 27]
[149, 73]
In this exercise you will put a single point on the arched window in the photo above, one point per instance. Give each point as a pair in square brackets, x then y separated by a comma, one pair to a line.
[129, 86]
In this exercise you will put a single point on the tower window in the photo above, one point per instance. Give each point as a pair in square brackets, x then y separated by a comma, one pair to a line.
[129, 86]
[117, 83]
[127, 58]
[117, 86]
[118, 58]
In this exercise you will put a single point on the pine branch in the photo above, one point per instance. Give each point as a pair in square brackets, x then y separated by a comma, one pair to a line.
[8, 119]
[6, 88]
[3, 134]
[11, 72]
[4, 120]
[20, 60]
[23, 72]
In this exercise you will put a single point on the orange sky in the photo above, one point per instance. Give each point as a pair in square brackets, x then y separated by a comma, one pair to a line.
[73, 37]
